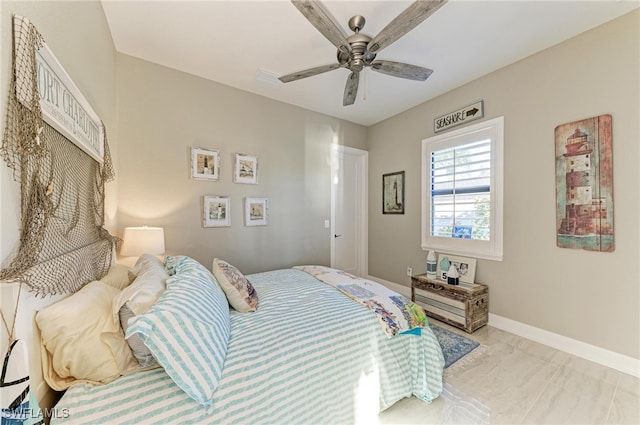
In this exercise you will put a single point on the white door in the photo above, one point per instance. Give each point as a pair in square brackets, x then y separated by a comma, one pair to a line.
[349, 210]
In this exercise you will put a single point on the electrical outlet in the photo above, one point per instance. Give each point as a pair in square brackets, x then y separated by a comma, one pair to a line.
[409, 271]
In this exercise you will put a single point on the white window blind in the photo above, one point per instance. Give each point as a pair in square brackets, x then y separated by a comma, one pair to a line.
[462, 191]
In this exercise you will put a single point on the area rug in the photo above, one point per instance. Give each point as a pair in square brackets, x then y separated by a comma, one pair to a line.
[454, 346]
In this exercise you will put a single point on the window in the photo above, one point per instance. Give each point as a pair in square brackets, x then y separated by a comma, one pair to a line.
[462, 191]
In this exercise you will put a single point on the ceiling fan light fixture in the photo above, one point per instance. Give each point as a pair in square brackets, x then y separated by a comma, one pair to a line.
[356, 65]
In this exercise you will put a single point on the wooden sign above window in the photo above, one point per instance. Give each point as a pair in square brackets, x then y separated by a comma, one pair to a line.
[461, 116]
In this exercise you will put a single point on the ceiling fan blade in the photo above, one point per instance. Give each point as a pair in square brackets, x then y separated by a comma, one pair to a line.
[402, 70]
[324, 22]
[308, 73]
[351, 89]
[410, 18]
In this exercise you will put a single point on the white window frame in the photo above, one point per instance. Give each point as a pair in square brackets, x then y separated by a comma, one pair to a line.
[491, 249]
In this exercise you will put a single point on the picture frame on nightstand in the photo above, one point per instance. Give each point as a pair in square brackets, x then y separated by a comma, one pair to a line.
[466, 267]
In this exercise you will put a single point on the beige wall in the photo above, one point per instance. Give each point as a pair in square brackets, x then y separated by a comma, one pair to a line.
[589, 296]
[162, 112]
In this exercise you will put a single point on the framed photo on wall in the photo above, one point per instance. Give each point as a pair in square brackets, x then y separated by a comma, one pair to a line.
[217, 211]
[245, 169]
[205, 164]
[466, 267]
[255, 211]
[393, 193]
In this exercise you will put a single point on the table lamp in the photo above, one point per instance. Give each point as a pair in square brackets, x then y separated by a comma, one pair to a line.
[142, 240]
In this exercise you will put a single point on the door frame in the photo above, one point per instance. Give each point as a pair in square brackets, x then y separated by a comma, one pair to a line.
[337, 152]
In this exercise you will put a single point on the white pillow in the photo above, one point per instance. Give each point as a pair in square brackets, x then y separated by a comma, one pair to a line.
[81, 339]
[117, 276]
[144, 291]
[239, 291]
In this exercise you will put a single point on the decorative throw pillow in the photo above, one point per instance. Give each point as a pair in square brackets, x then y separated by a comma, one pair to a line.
[82, 340]
[187, 330]
[239, 291]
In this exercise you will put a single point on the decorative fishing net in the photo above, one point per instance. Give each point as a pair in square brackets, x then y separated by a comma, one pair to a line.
[63, 243]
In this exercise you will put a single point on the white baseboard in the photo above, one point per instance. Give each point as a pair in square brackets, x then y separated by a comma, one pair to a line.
[599, 355]
[602, 356]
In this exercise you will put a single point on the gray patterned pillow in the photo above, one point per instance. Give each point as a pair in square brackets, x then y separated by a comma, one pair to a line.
[139, 350]
[239, 291]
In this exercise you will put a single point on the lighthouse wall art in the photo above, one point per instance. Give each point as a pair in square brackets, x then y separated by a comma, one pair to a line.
[393, 193]
[584, 185]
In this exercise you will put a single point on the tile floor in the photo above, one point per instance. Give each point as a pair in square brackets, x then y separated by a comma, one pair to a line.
[518, 381]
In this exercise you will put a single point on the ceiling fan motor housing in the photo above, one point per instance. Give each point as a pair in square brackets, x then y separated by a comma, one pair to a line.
[359, 56]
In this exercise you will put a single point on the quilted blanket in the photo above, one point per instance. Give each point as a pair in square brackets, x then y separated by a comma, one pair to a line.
[395, 312]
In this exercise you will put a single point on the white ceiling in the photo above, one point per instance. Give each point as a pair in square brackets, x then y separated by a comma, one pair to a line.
[248, 44]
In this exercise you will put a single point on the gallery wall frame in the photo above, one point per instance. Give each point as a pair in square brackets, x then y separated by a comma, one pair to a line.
[205, 164]
[393, 193]
[217, 211]
[245, 168]
[256, 211]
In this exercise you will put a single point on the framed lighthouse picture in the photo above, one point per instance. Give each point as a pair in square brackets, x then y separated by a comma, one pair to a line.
[205, 164]
[584, 185]
[393, 193]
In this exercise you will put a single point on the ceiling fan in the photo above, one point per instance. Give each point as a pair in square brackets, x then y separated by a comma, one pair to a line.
[357, 51]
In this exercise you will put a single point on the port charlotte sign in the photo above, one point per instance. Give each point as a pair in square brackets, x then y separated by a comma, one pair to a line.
[461, 116]
[62, 104]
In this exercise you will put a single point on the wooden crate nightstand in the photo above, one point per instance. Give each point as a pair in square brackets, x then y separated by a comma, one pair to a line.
[465, 306]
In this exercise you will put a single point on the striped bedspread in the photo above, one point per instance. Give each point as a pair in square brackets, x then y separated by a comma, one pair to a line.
[308, 355]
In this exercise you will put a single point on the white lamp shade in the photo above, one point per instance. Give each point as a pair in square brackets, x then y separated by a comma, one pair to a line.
[142, 240]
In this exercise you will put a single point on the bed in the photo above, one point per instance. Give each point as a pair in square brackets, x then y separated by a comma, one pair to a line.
[307, 354]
